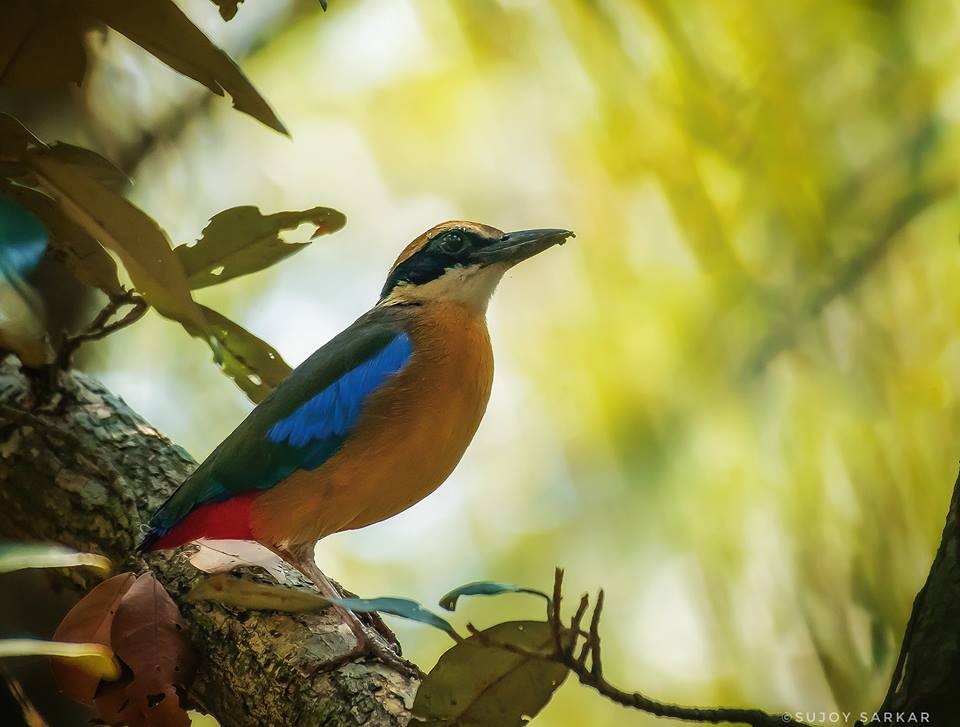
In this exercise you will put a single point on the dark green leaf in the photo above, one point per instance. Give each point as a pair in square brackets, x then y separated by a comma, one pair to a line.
[161, 28]
[228, 8]
[70, 245]
[241, 240]
[485, 588]
[15, 138]
[250, 362]
[489, 686]
[41, 43]
[402, 607]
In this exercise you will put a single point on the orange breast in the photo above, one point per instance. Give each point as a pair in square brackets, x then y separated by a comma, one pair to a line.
[410, 436]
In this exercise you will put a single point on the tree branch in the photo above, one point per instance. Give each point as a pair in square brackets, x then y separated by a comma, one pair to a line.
[83, 469]
[928, 670]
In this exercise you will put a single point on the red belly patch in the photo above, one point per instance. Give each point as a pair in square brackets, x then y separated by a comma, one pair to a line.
[227, 520]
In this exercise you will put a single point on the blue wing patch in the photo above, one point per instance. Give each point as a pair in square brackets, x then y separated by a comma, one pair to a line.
[331, 414]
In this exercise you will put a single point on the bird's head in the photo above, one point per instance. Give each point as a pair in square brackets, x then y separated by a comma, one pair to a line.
[461, 262]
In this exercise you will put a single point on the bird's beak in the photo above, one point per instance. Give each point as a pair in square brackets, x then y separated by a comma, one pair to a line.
[513, 247]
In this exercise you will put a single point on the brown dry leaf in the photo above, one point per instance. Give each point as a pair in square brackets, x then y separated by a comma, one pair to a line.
[223, 556]
[89, 621]
[147, 636]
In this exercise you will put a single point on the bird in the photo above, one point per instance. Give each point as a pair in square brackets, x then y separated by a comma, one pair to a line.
[373, 421]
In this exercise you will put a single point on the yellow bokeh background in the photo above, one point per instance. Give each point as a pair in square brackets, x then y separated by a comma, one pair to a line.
[731, 401]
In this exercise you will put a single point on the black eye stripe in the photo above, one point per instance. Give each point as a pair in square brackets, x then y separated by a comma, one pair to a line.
[436, 257]
[453, 242]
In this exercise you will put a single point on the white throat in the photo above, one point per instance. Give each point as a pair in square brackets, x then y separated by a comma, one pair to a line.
[471, 286]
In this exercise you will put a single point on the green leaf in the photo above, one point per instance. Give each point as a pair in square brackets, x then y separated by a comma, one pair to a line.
[249, 595]
[70, 245]
[15, 138]
[253, 364]
[17, 556]
[489, 686]
[242, 593]
[485, 588]
[228, 8]
[120, 226]
[161, 28]
[402, 607]
[241, 240]
[93, 165]
[41, 44]
[95, 659]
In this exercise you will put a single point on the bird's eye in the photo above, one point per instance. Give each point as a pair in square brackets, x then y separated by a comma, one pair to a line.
[453, 243]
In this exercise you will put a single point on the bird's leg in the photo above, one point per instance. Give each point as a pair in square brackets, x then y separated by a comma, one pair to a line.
[374, 621]
[331, 588]
[367, 644]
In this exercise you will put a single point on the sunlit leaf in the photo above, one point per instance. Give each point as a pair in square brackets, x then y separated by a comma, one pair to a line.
[161, 28]
[489, 686]
[125, 229]
[17, 556]
[253, 364]
[402, 607]
[250, 595]
[485, 588]
[242, 593]
[94, 659]
[93, 165]
[41, 43]
[90, 620]
[242, 240]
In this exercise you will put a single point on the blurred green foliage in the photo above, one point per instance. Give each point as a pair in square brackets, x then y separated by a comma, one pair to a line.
[731, 401]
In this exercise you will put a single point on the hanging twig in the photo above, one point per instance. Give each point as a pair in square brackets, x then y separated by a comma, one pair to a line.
[565, 651]
[101, 327]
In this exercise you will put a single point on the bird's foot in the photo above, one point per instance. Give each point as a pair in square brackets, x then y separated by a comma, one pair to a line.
[382, 645]
[372, 646]
[372, 619]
